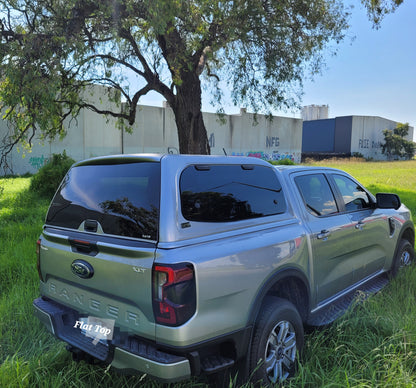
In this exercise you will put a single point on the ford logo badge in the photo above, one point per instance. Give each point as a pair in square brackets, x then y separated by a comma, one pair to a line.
[82, 269]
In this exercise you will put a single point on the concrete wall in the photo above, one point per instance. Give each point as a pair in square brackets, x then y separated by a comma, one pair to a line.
[243, 134]
[154, 131]
[101, 138]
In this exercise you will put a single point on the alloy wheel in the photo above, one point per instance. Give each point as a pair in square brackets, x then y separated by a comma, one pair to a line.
[280, 352]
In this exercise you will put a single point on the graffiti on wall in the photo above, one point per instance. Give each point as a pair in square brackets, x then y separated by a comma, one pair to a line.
[271, 155]
[274, 155]
[211, 140]
[173, 150]
[367, 143]
[38, 161]
[272, 141]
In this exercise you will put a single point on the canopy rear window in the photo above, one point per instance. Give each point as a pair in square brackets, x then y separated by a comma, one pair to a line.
[122, 198]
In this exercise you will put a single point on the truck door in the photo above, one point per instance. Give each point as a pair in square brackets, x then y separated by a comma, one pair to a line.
[369, 229]
[329, 230]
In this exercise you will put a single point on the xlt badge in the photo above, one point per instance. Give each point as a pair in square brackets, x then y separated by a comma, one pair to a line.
[139, 269]
[82, 269]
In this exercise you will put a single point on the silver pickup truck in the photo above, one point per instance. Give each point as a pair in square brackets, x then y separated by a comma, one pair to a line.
[178, 265]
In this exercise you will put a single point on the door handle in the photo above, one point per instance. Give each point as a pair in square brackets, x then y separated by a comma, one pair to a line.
[323, 235]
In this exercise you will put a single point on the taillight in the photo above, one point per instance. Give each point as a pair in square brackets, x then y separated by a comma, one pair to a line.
[38, 259]
[174, 294]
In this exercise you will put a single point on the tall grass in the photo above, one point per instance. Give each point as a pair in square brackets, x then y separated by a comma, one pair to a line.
[30, 356]
[373, 345]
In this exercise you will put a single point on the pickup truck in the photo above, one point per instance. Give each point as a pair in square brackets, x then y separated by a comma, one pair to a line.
[180, 265]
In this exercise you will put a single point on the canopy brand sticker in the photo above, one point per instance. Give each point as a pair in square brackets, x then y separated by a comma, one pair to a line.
[99, 329]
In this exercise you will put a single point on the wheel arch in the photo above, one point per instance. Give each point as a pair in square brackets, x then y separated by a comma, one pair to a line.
[408, 234]
[290, 284]
[280, 284]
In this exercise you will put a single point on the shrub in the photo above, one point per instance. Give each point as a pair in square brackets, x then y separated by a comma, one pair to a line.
[396, 146]
[48, 178]
[285, 162]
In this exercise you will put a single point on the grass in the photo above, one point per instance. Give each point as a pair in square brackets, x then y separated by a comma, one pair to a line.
[396, 177]
[373, 345]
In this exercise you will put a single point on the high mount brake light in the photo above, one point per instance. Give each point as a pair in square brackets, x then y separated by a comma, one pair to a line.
[174, 295]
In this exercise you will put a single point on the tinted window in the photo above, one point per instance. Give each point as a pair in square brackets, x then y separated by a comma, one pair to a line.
[316, 194]
[123, 198]
[230, 193]
[354, 196]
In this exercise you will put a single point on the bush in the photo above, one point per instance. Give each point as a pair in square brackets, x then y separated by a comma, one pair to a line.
[285, 162]
[47, 179]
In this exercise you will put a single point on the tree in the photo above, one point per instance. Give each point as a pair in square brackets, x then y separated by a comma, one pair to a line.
[51, 50]
[377, 9]
[395, 143]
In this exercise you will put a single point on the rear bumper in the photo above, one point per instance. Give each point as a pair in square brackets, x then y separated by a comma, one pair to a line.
[132, 357]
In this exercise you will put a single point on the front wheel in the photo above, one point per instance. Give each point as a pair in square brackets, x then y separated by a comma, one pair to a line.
[404, 257]
[277, 339]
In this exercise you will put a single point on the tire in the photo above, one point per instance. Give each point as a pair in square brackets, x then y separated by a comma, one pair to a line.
[404, 257]
[277, 340]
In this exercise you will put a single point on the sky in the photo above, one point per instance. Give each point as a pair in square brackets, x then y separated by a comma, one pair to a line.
[372, 74]
[375, 74]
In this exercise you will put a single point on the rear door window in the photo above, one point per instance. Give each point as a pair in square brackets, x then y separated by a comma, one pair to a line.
[316, 194]
[224, 193]
[122, 198]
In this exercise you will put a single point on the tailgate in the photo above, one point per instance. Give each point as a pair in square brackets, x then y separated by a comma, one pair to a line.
[100, 277]
[98, 243]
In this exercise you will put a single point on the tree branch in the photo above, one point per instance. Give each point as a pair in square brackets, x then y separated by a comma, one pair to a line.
[116, 60]
[7, 148]
[125, 34]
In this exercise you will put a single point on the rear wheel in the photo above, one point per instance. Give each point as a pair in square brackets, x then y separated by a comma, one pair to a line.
[404, 257]
[278, 336]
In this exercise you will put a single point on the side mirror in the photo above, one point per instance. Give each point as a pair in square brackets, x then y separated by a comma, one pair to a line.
[388, 201]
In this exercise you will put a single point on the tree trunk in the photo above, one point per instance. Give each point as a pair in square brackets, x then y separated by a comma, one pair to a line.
[192, 135]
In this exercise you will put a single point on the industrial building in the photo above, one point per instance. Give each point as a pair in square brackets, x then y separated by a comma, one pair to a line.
[346, 136]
